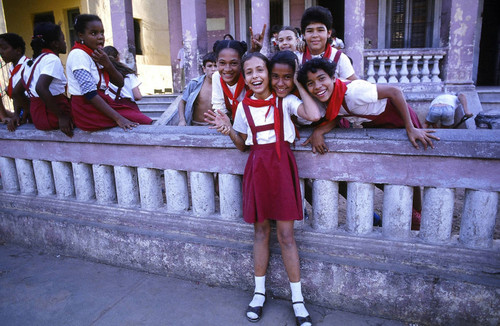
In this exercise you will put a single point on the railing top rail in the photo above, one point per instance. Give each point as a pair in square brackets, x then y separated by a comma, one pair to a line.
[405, 51]
[462, 158]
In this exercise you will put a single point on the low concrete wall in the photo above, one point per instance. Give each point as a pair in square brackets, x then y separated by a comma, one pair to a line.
[428, 277]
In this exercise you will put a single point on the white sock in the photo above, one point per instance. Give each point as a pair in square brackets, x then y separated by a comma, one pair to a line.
[258, 300]
[299, 309]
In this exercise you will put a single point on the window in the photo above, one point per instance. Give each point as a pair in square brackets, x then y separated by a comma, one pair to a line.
[72, 13]
[137, 36]
[410, 23]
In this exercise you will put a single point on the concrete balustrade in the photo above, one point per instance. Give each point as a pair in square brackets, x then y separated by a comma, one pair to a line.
[325, 205]
[202, 193]
[359, 219]
[104, 179]
[478, 218]
[63, 179]
[397, 210]
[150, 184]
[230, 194]
[127, 186]
[84, 181]
[26, 176]
[437, 214]
[44, 178]
[112, 206]
[177, 193]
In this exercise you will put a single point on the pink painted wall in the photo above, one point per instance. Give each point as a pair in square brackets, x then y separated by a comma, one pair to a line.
[371, 24]
[217, 9]
[296, 11]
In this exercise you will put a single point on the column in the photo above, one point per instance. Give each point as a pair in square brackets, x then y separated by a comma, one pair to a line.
[44, 177]
[122, 23]
[360, 207]
[460, 61]
[231, 197]
[325, 205]
[63, 179]
[202, 193]
[127, 186]
[354, 35]
[104, 178]
[396, 211]
[84, 181]
[261, 16]
[150, 184]
[176, 190]
[437, 214]
[194, 35]
[26, 176]
[8, 172]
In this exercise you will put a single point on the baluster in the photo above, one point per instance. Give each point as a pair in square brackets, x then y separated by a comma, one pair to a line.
[84, 181]
[414, 69]
[381, 70]
[230, 194]
[44, 178]
[371, 71]
[325, 204]
[300, 224]
[393, 72]
[8, 173]
[150, 184]
[435, 69]
[359, 207]
[127, 186]
[478, 218]
[404, 69]
[202, 193]
[10, 182]
[176, 190]
[104, 177]
[425, 69]
[26, 176]
[397, 209]
[63, 179]
[437, 214]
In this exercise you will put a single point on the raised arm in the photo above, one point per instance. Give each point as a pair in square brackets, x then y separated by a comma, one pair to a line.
[102, 58]
[463, 100]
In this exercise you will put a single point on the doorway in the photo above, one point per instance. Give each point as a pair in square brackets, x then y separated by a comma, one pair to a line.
[336, 7]
[488, 72]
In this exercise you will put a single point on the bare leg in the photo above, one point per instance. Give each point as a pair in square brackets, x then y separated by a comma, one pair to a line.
[261, 247]
[289, 251]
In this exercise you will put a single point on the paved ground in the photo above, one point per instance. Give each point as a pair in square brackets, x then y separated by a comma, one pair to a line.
[44, 289]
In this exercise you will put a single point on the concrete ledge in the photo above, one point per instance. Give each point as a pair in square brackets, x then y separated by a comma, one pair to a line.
[410, 281]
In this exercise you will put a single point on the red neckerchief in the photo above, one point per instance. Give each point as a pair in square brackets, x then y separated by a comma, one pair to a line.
[307, 55]
[269, 103]
[333, 108]
[10, 87]
[234, 98]
[89, 51]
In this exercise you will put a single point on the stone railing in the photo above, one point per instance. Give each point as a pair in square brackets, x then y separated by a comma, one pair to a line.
[405, 66]
[147, 199]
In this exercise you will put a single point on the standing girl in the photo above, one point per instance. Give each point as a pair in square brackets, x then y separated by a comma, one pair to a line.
[12, 49]
[228, 85]
[130, 91]
[89, 72]
[45, 81]
[271, 188]
[288, 39]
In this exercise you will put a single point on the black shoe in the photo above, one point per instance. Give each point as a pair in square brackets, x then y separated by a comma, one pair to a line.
[256, 310]
[302, 320]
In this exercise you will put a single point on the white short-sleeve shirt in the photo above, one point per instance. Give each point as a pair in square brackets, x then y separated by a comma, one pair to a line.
[446, 99]
[344, 68]
[17, 77]
[49, 65]
[130, 82]
[290, 107]
[218, 102]
[78, 59]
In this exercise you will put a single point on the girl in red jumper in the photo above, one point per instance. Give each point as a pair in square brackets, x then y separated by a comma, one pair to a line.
[271, 188]
[89, 70]
[45, 82]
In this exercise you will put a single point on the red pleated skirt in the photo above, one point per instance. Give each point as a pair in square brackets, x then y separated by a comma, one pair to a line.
[271, 188]
[42, 118]
[88, 118]
[391, 118]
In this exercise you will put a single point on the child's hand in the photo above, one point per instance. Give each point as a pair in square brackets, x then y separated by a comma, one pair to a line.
[257, 39]
[301, 46]
[423, 135]
[66, 124]
[13, 123]
[317, 141]
[126, 124]
[101, 57]
[219, 121]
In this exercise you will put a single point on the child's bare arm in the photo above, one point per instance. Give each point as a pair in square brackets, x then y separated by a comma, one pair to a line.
[182, 109]
[317, 138]
[399, 102]
[42, 88]
[137, 93]
[102, 58]
[463, 100]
